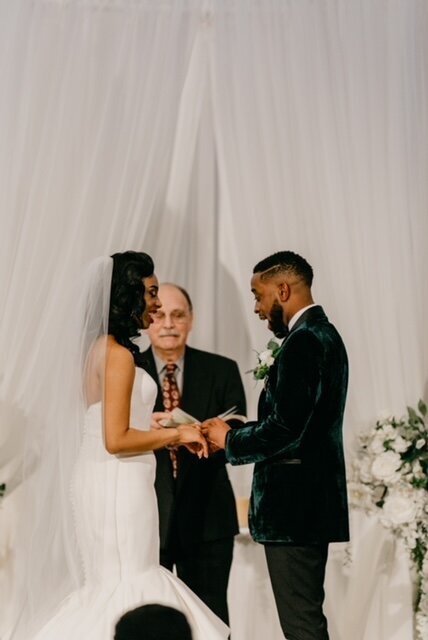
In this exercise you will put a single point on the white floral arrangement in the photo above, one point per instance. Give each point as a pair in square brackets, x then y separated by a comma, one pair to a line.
[390, 479]
[265, 360]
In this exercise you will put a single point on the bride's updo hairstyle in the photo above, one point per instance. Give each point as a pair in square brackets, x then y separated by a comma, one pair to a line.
[127, 296]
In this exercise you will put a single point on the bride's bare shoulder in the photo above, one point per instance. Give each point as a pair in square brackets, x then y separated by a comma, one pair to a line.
[117, 355]
[107, 350]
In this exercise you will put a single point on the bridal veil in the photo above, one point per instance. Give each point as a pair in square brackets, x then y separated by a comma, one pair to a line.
[47, 566]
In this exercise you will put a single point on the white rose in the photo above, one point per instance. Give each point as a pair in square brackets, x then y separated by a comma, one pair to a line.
[417, 470]
[385, 467]
[266, 358]
[420, 443]
[399, 508]
[400, 444]
[376, 446]
[388, 431]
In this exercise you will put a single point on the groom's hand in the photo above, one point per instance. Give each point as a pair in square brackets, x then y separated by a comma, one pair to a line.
[215, 431]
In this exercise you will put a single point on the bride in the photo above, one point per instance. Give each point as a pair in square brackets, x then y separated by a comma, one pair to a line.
[93, 542]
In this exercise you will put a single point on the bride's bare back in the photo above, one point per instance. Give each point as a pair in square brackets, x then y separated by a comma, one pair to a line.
[95, 370]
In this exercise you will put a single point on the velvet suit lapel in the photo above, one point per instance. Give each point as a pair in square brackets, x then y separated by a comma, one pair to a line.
[314, 314]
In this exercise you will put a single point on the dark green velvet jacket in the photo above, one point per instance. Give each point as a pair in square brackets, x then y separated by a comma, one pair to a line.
[299, 484]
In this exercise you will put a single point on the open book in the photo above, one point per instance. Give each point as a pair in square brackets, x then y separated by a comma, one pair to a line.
[178, 416]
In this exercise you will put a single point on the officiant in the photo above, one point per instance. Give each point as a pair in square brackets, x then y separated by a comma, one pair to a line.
[197, 510]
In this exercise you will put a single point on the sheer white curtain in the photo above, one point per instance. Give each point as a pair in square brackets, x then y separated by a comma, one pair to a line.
[321, 124]
[322, 129]
[88, 122]
[211, 133]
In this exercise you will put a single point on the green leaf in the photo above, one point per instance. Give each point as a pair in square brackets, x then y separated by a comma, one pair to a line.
[418, 554]
[412, 414]
[261, 372]
[273, 345]
[419, 483]
[422, 407]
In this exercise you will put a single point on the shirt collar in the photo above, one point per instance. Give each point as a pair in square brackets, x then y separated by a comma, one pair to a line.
[161, 364]
[298, 314]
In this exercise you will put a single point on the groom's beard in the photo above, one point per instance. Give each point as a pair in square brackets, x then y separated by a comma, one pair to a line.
[277, 325]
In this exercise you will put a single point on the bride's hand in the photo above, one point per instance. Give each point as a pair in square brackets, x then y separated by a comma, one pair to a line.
[157, 416]
[191, 437]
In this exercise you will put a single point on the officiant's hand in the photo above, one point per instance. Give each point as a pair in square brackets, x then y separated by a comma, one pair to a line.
[215, 431]
[157, 416]
[191, 437]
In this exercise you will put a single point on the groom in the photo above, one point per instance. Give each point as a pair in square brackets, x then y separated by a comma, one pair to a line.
[298, 500]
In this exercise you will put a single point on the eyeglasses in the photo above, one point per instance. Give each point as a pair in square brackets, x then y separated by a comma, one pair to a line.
[175, 316]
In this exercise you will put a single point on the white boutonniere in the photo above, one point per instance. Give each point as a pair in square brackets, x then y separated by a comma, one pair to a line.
[265, 359]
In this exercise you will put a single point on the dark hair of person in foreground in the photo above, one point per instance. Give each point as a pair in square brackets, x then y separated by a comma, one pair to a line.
[153, 622]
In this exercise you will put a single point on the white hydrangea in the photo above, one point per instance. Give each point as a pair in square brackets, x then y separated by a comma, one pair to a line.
[377, 445]
[399, 507]
[422, 626]
[364, 469]
[388, 432]
[385, 467]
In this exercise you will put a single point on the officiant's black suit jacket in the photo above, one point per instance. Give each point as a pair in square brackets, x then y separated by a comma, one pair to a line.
[199, 505]
[299, 484]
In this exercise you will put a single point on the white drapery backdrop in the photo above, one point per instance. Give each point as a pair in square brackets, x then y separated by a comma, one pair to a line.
[210, 134]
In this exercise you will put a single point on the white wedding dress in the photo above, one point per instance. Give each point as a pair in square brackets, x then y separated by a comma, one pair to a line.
[116, 519]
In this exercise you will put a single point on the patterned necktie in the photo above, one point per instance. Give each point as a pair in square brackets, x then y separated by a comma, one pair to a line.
[171, 399]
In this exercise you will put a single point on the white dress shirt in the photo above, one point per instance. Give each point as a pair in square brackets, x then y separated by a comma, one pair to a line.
[298, 314]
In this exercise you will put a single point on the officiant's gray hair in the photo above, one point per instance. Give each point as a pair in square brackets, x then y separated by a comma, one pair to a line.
[285, 262]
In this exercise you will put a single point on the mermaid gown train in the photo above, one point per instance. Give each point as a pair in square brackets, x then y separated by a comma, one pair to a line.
[116, 519]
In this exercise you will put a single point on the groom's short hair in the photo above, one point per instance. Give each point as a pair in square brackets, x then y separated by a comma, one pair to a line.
[285, 262]
[153, 622]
